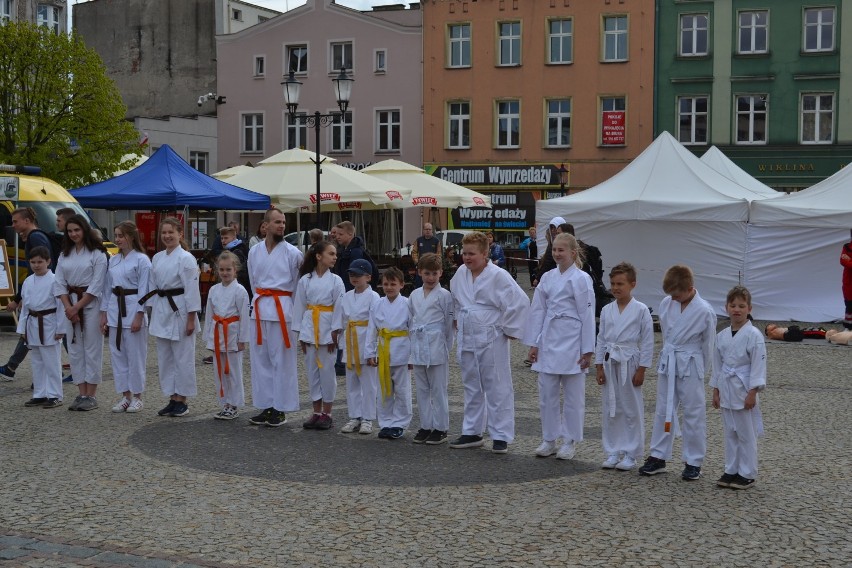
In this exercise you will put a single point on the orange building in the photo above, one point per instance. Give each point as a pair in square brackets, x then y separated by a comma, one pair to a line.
[515, 88]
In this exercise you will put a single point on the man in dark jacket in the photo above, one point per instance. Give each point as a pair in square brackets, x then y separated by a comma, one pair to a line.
[351, 248]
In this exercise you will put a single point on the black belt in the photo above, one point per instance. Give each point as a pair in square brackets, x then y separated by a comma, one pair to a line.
[168, 294]
[122, 309]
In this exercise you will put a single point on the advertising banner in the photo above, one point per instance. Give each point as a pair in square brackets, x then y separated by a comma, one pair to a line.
[612, 128]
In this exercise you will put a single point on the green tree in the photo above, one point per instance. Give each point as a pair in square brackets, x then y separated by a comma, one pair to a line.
[58, 108]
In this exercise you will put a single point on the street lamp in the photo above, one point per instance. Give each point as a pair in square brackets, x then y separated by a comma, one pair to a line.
[563, 177]
[342, 93]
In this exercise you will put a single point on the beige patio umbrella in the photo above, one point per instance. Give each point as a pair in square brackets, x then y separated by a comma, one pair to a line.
[232, 171]
[426, 190]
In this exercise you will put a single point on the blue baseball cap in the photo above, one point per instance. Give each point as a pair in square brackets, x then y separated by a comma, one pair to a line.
[360, 267]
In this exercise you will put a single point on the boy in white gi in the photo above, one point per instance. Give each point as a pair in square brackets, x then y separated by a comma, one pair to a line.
[39, 324]
[490, 308]
[624, 350]
[226, 332]
[688, 324]
[561, 334]
[388, 347]
[362, 380]
[431, 334]
[739, 373]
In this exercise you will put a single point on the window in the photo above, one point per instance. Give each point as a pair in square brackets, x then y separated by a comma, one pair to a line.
[751, 119]
[613, 121]
[615, 38]
[252, 127]
[341, 55]
[692, 120]
[754, 31]
[48, 16]
[237, 15]
[297, 58]
[561, 44]
[389, 127]
[818, 118]
[459, 48]
[381, 61]
[693, 35]
[510, 43]
[819, 29]
[508, 124]
[458, 116]
[5, 11]
[558, 123]
[341, 132]
[199, 160]
[259, 66]
[261, 19]
[297, 131]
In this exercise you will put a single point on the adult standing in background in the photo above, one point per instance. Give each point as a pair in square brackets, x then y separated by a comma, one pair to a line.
[531, 246]
[495, 251]
[259, 236]
[846, 261]
[547, 263]
[425, 244]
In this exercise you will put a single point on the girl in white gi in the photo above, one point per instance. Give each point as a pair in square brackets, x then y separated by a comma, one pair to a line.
[739, 373]
[688, 324]
[389, 348]
[362, 380]
[226, 331]
[561, 334]
[490, 308]
[175, 300]
[123, 319]
[317, 323]
[80, 275]
[431, 334]
[624, 350]
[39, 324]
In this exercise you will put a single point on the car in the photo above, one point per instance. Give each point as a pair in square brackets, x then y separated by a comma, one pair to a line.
[301, 239]
[448, 238]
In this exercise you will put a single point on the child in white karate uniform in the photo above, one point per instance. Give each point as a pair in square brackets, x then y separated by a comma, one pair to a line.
[362, 380]
[317, 323]
[561, 334]
[739, 373]
[226, 332]
[625, 348]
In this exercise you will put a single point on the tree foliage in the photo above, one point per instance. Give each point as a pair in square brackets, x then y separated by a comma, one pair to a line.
[58, 108]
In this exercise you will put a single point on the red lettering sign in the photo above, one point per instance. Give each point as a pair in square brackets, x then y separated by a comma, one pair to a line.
[424, 201]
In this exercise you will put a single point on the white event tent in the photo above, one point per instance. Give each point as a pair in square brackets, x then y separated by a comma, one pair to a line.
[717, 160]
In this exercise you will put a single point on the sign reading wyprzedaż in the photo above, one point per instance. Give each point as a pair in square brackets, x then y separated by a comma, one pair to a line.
[497, 175]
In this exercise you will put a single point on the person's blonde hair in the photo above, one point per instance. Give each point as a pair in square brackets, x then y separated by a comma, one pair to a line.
[624, 268]
[228, 255]
[478, 239]
[572, 244]
[227, 231]
[347, 227]
[678, 278]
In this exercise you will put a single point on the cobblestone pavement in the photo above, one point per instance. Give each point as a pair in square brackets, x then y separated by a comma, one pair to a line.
[100, 489]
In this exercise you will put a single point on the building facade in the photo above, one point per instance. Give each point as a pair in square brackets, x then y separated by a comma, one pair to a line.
[763, 81]
[50, 13]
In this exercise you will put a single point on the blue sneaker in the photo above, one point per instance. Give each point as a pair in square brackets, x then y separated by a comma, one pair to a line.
[384, 433]
[68, 379]
[395, 433]
[6, 374]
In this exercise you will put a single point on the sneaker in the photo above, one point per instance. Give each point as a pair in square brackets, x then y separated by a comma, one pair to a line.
[68, 379]
[626, 464]
[421, 436]
[366, 427]
[167, 409]
[230, 413]
[546, 449]
[325, 422]
[499, 447]
[36, 401]
[261, 418]
[340, 369]
[276, 418]
[121, 405]
[6, 374]
[610, 462]
[436, 437]
[351, 426]
[726, 479]
[395, 433]
[208, 360]
[76, 403]
[566, 450]
[690, 473]
[180, 409]
[135, 405]
[384, 433]
[653, 466]
[741, 482]
[311, 422]
[88, 403]
[467, 441]
[52, 403]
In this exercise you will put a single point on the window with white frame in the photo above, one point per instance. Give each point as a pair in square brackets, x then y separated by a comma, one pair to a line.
[458, 48]
[615, 38]
[199, 160]
[458, 127]
[381, 61]
[508, 124]
[297, 131]
[341, 132]
[558, 123]
[48, 16]
[5, 11]
[613, 121]
[694, 34]
[509, 45]
[819, 29]
[259, 65]
[341, 55]
[817, 118]
[560, 41]
[751, 119]
[692, 120]
[753, 32]
[297, 58]
[252, 133]
[388, 130]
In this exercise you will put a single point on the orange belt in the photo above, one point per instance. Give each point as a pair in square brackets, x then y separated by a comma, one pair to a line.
[217, 348]
[276, 294]
[315, 313]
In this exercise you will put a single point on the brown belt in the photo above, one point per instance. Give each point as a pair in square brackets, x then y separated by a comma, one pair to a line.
[168, 294]
[122, 293]
[79, 290]
[40, 315]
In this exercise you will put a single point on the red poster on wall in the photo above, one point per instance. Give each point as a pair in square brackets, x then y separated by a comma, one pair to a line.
[612, 128]
[148, 224]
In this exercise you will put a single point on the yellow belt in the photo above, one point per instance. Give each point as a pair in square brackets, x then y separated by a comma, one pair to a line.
[352, 351]
[316, 309]
[385, 335]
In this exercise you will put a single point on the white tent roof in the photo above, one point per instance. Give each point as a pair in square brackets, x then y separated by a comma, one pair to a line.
[827, 204]
[717, 160]
[426, 190]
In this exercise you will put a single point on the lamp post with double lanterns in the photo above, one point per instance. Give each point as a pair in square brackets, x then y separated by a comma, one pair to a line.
[342, 92]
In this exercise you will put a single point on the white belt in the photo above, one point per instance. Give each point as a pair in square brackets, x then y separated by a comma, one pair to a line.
[622, 354]
[668, 366]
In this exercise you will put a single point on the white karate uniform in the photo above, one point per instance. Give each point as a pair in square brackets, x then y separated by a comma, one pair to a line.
[227, 301]
[688, 338]
[431, 334]
[361, 385]
[488, 311]
[84, 268]
[274, 377]
[625, 343]
[561, 324]
[38, 294]
[395, 410]
[175, 349]
[739, 365]
[320, 291]
[131, 272]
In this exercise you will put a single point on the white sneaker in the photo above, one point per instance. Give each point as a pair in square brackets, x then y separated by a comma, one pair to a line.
[135, 405]
[351, 426]
[121, 406]
[366, 427]
[546, 449]
[566, 451]
[626, 464]
[610, 462]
